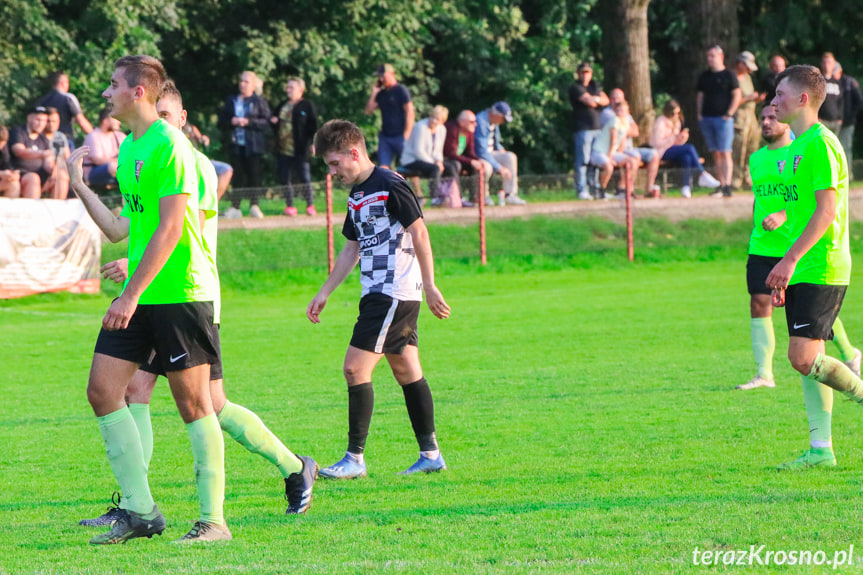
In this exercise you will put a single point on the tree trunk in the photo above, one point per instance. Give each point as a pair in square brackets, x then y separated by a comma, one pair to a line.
[626, 57]
[636, 78]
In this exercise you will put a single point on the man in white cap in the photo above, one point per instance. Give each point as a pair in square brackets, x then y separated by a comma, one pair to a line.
[747, 135]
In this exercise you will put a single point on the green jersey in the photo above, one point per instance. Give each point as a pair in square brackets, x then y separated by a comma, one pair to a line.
[208, 202]
[816, 162]
[768, 185]
[161, 163]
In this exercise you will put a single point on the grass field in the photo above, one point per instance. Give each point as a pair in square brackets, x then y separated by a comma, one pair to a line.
[584, 406]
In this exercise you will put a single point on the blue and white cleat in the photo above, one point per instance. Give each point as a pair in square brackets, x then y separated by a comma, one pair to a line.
[346, 468]
[425, 465]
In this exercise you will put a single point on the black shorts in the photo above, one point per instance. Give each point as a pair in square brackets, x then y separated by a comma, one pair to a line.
[180, 333]
[757, 270]
[41, 172]
[811, 309]
[386, 325]
[154, 363]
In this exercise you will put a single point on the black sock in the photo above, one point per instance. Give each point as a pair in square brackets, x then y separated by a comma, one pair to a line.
[361, 403]
[418, 400]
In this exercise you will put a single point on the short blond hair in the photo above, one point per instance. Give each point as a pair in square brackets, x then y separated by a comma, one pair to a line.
[440, 113]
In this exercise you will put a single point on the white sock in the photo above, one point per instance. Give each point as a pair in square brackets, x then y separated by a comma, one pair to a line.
[356, 457]
[822, 444]
[431, 454]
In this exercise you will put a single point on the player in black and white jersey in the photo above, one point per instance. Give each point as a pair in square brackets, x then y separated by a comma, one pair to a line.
[386, 234]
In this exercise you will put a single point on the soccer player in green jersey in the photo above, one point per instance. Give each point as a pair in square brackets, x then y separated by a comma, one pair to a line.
[166, 304]
[811, 278]
[240, 423]
[768, 243]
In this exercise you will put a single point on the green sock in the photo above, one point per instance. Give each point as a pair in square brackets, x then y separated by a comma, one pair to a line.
[819, 409]
[123, 446]
[141, 415]
[250, 432]
[833, 373]
[843, 344]
[763, 345]
[208, 447]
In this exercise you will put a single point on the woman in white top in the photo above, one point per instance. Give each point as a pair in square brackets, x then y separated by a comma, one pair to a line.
[423, 152]
[669, 139]
[608, 148]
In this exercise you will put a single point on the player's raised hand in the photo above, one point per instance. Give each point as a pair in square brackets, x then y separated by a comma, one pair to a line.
[75, 162]
[436, 303]
[119, 313]
[116, 271]
[316, 306]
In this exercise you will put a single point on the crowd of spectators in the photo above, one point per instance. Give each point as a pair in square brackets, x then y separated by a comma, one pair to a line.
[438, 148]
[726, 106]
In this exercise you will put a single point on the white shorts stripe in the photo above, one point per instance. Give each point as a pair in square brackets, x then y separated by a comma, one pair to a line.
[382, 336]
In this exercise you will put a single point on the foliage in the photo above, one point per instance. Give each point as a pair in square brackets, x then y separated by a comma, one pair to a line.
[459, 53]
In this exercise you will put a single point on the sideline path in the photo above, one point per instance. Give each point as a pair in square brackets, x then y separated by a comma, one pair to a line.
[737, 207]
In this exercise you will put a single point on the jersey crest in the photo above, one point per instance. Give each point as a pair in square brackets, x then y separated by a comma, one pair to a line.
[138, 165]
[781, 165]
[797, 162]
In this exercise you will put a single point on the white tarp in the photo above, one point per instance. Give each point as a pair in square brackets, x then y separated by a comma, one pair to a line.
[46, 246]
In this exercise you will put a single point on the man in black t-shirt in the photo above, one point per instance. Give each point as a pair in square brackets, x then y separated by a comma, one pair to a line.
[31, 151]
[587, 99]
[397, 114]
[833, 108]
[717, 101]
[67, 105]
[853, 102]
[768, 82]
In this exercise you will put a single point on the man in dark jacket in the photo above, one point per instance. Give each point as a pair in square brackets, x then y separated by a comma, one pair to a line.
[851, 104]
[244, 119]
[295, 125]
[458, 148]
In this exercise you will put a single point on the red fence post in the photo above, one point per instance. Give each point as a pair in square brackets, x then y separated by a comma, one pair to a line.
[483, 259]
[630, 248]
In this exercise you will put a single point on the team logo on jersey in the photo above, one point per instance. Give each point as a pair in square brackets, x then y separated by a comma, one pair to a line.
[781, 164]
[797, 162]
[371, 220]
[138, 165]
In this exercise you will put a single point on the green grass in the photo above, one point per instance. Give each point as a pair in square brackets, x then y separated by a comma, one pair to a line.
[583, 404]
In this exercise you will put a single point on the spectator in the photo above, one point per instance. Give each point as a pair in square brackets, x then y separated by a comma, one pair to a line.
[646, 156]
[246, 117]
[397, 114]
[669, 139]
[10, 178]
[607, 151]
[295, 124]
[833, 108]
[717, 101]
[100, 164]
[852, 102]
[458, 149]
[62, 148]
[768, 83]
[67, 105]
[585, 97]
[31, 151]
[423, 152]
[747, 132]
[497, 159]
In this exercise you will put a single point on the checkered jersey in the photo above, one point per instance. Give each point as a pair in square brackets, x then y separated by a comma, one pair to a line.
[380, 210]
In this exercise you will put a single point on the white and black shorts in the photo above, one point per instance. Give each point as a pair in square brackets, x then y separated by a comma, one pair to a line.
[154, 364]
[386, 325]
[757, 270]
[182, 335]
[811, 309]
